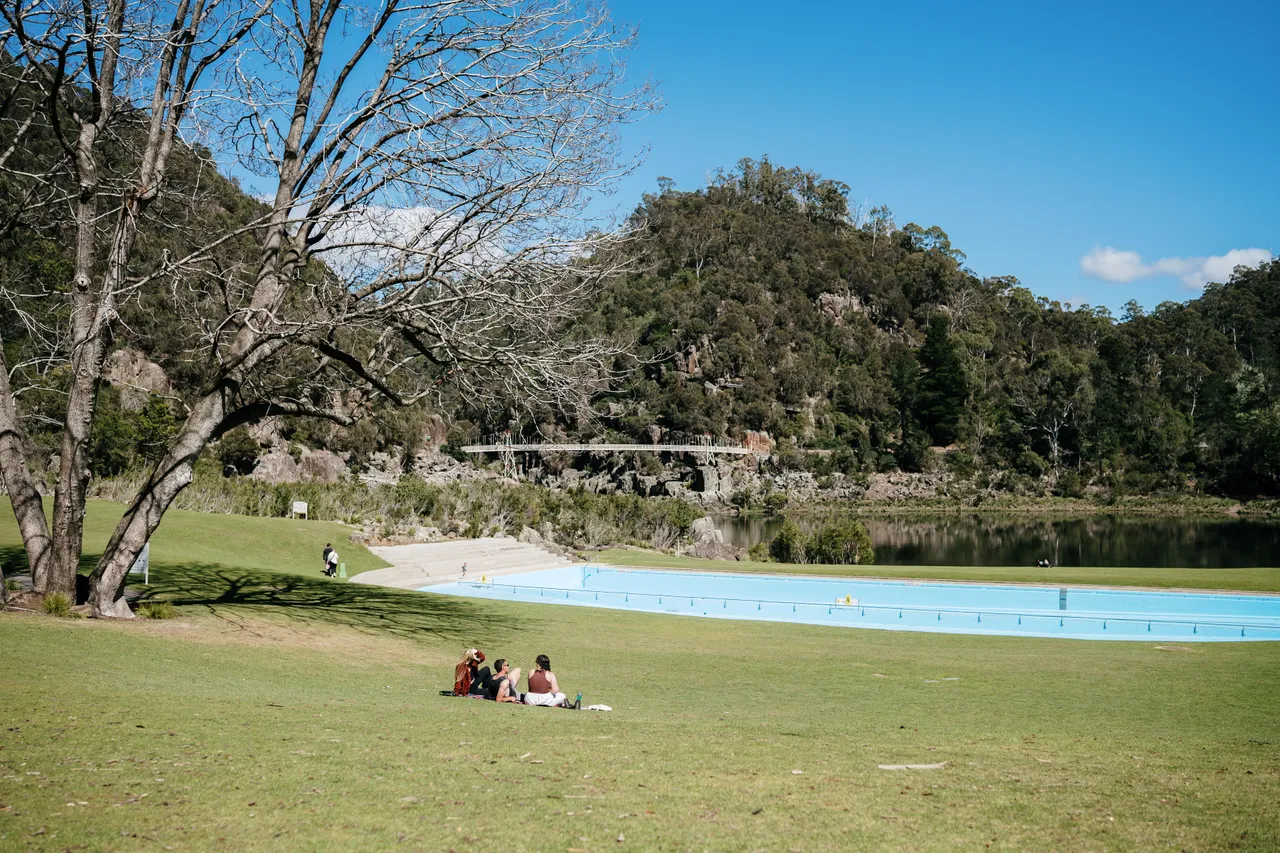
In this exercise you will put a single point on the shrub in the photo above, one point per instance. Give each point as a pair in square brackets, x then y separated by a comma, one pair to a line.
[239, 450]
[1031, 463]
[156, 608]
[788, 545]
[1070, 485]
[844, 541]
[12, 584]
[759, 552]
[775, 503]
[961, 464]
[56, 604]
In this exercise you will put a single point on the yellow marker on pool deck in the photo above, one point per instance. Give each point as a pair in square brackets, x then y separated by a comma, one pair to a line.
[483, 579]
[848, 599]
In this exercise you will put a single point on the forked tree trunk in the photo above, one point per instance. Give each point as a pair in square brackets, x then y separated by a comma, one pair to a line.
[28, 506]
[170, 476]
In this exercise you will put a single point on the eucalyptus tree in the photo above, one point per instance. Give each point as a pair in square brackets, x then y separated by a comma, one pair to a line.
[424, 170]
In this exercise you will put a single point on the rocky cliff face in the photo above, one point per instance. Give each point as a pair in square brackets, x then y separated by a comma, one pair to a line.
[136, 377]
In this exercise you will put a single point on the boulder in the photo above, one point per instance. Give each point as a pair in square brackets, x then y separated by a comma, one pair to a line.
[322, 466]
[705, 530]
[708, 542]
[834, 305]
[707, 480]
[435, 432]
[266, 432]
[136, 377]
[276, 467]
[381, 469]
[529, 536]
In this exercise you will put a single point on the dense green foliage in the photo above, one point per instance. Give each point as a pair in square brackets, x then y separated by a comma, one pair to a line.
[842, 541]
[782, 310]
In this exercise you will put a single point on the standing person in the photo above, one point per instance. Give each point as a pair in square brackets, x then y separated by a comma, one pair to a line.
[543, 687]
[504, 686]
[330, 561]
[328, 549]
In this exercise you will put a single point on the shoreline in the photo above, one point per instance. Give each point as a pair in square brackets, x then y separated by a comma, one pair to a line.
[1138, 507]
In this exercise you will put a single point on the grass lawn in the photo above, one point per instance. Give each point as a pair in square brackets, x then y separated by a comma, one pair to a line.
[1250, 580]
[285, 711]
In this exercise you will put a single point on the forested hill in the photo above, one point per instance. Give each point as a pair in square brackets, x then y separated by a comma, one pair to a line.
[763, 303]
[766, 304]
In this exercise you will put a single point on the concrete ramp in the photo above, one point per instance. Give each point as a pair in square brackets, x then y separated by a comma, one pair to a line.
[423, 564]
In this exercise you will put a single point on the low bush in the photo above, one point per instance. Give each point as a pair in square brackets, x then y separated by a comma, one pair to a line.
[56, 604]
[156, 608]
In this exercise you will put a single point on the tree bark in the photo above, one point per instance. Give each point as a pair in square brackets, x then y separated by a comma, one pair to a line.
[28, 506]
[92, 339]
[171, 475]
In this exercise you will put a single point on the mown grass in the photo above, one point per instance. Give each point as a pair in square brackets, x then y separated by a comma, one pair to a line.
[290, 546]
[1248, 580]
[284, 711]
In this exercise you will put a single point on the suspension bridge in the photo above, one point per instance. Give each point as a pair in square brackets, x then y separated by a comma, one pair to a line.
[506, 447]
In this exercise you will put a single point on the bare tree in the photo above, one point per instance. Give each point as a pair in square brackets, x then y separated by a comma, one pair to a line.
[86, 63]
[427, 168]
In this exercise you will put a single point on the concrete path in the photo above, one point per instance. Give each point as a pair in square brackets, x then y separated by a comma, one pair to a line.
[419, 565]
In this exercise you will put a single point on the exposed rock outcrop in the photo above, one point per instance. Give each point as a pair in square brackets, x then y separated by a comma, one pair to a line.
[276, 467]
[708, 542]
[322, 466]
[136, 377]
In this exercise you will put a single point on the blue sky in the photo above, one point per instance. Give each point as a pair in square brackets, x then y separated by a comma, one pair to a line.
[1037, 135]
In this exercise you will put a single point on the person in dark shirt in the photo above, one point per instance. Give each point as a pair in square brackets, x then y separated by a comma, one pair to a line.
[481, 680]
[503, 686]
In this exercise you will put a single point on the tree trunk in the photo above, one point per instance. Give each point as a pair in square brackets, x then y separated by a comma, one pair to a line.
[170, 476]
[90, 352]
[28, 506]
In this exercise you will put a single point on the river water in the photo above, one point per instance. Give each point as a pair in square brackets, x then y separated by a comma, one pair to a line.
[1103, 540]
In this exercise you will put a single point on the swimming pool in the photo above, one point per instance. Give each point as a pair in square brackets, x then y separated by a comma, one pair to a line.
[953, 608]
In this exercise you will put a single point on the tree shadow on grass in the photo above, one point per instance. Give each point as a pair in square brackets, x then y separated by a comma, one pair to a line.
[316, 601]
[323, 601]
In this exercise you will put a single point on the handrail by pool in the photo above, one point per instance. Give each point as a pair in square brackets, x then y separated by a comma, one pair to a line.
[1021, 613]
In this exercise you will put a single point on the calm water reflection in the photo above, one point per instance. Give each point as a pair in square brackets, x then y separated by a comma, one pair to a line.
[983, 540]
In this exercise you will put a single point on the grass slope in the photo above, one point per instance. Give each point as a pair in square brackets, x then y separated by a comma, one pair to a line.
[286, 711]
[195, 538]
[1249, 580]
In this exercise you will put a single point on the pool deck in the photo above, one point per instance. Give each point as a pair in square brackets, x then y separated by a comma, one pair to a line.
[429, 563]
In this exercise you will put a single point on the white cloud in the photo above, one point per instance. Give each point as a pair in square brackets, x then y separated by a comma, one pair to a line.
[1111, 264]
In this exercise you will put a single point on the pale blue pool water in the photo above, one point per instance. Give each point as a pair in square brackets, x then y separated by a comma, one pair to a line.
[955, 608]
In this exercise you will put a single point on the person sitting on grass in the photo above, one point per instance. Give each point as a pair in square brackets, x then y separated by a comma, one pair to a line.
[543, 688]
[468, 678]
[503, 686]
